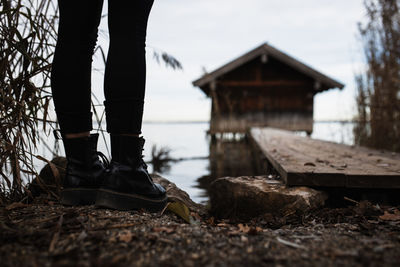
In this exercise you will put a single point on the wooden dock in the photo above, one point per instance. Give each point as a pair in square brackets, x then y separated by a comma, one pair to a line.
[309, 162]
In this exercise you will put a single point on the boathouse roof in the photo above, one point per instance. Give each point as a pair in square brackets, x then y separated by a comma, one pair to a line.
[265, 50]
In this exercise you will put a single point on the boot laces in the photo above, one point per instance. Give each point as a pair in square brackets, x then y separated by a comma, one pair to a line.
[143, 163]
[141, 160]
[104, 159]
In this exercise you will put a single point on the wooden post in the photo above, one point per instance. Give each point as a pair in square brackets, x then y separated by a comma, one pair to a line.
[214, 115]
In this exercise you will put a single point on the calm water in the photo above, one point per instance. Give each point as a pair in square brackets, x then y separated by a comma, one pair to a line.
[190, 140]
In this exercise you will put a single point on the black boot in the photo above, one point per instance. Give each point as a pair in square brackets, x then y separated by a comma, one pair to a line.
[85, 172]
[128, 185]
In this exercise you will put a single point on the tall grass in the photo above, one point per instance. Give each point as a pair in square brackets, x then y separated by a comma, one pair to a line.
[28, 34]
[27, 40]
[378, 99]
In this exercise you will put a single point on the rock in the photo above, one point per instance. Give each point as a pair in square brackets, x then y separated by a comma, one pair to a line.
[175, 194]
[249, 196]
[47, 180]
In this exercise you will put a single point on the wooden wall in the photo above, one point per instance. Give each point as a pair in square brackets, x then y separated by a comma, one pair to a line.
[262, 94]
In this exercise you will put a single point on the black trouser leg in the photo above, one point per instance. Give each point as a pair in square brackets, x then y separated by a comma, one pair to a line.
[124, 81]
[72, 64]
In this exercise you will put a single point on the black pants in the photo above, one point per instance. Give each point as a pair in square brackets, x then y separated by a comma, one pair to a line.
[125, 72]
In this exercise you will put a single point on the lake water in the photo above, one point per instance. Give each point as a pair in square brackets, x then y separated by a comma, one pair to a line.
[190, 140]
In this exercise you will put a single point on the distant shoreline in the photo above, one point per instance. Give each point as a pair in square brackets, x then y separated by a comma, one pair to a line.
[173, 122]
[193, 122]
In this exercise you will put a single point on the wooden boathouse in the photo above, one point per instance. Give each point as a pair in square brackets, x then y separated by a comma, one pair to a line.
[264, 87]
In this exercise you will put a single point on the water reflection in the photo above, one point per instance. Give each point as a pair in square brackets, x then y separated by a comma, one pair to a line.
[230, 155]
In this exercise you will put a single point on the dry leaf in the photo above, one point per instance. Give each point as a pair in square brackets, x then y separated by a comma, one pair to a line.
[249, 230]
[244, 228]
[255, 230]
[125, 236]
[181, 210]
[387, 216]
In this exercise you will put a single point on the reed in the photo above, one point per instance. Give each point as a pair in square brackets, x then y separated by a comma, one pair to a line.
[27, 39]
[378, 87]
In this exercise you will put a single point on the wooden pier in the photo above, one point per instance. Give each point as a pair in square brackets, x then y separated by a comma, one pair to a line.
[309, 162]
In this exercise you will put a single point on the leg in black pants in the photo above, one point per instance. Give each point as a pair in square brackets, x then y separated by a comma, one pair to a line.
[125, 75]
[72, 64]
[128, 184]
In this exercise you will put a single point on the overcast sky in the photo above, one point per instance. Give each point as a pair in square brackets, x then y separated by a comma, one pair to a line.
[209, 33]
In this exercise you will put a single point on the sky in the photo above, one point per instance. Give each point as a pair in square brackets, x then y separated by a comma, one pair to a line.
[205, 34]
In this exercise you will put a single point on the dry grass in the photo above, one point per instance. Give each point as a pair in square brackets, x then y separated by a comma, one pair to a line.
[378, 99]
[27, 39]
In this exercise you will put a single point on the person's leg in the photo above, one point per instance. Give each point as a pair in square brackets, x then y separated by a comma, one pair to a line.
[70, 83]
[128, 185]
[72, 64]
[125, 76]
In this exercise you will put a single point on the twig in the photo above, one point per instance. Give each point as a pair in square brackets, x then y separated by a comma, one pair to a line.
[56, 234]
[289, 244]
[163, 210]
[351, 200]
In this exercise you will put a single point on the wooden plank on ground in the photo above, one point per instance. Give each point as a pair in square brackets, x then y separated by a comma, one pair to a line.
[309, 162]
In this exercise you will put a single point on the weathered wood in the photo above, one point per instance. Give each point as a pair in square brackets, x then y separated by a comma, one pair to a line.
[304, 161]
[294, 121]
[268, 50]
[263, 83]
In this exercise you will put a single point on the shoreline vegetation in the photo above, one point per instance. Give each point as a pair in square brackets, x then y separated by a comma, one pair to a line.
[205, 121]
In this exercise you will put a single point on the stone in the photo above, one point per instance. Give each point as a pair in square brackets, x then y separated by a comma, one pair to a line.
[49, 180]
[246, 197]
[175, 194]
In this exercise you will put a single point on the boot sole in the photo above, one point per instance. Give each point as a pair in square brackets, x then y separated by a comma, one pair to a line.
[78, 196]
[123, 201]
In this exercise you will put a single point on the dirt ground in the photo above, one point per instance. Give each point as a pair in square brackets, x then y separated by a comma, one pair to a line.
[48, 234]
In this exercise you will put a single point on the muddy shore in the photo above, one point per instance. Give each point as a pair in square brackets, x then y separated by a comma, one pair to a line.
[48, 234]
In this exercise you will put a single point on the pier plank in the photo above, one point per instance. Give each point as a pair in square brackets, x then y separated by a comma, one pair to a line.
[309, 162]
